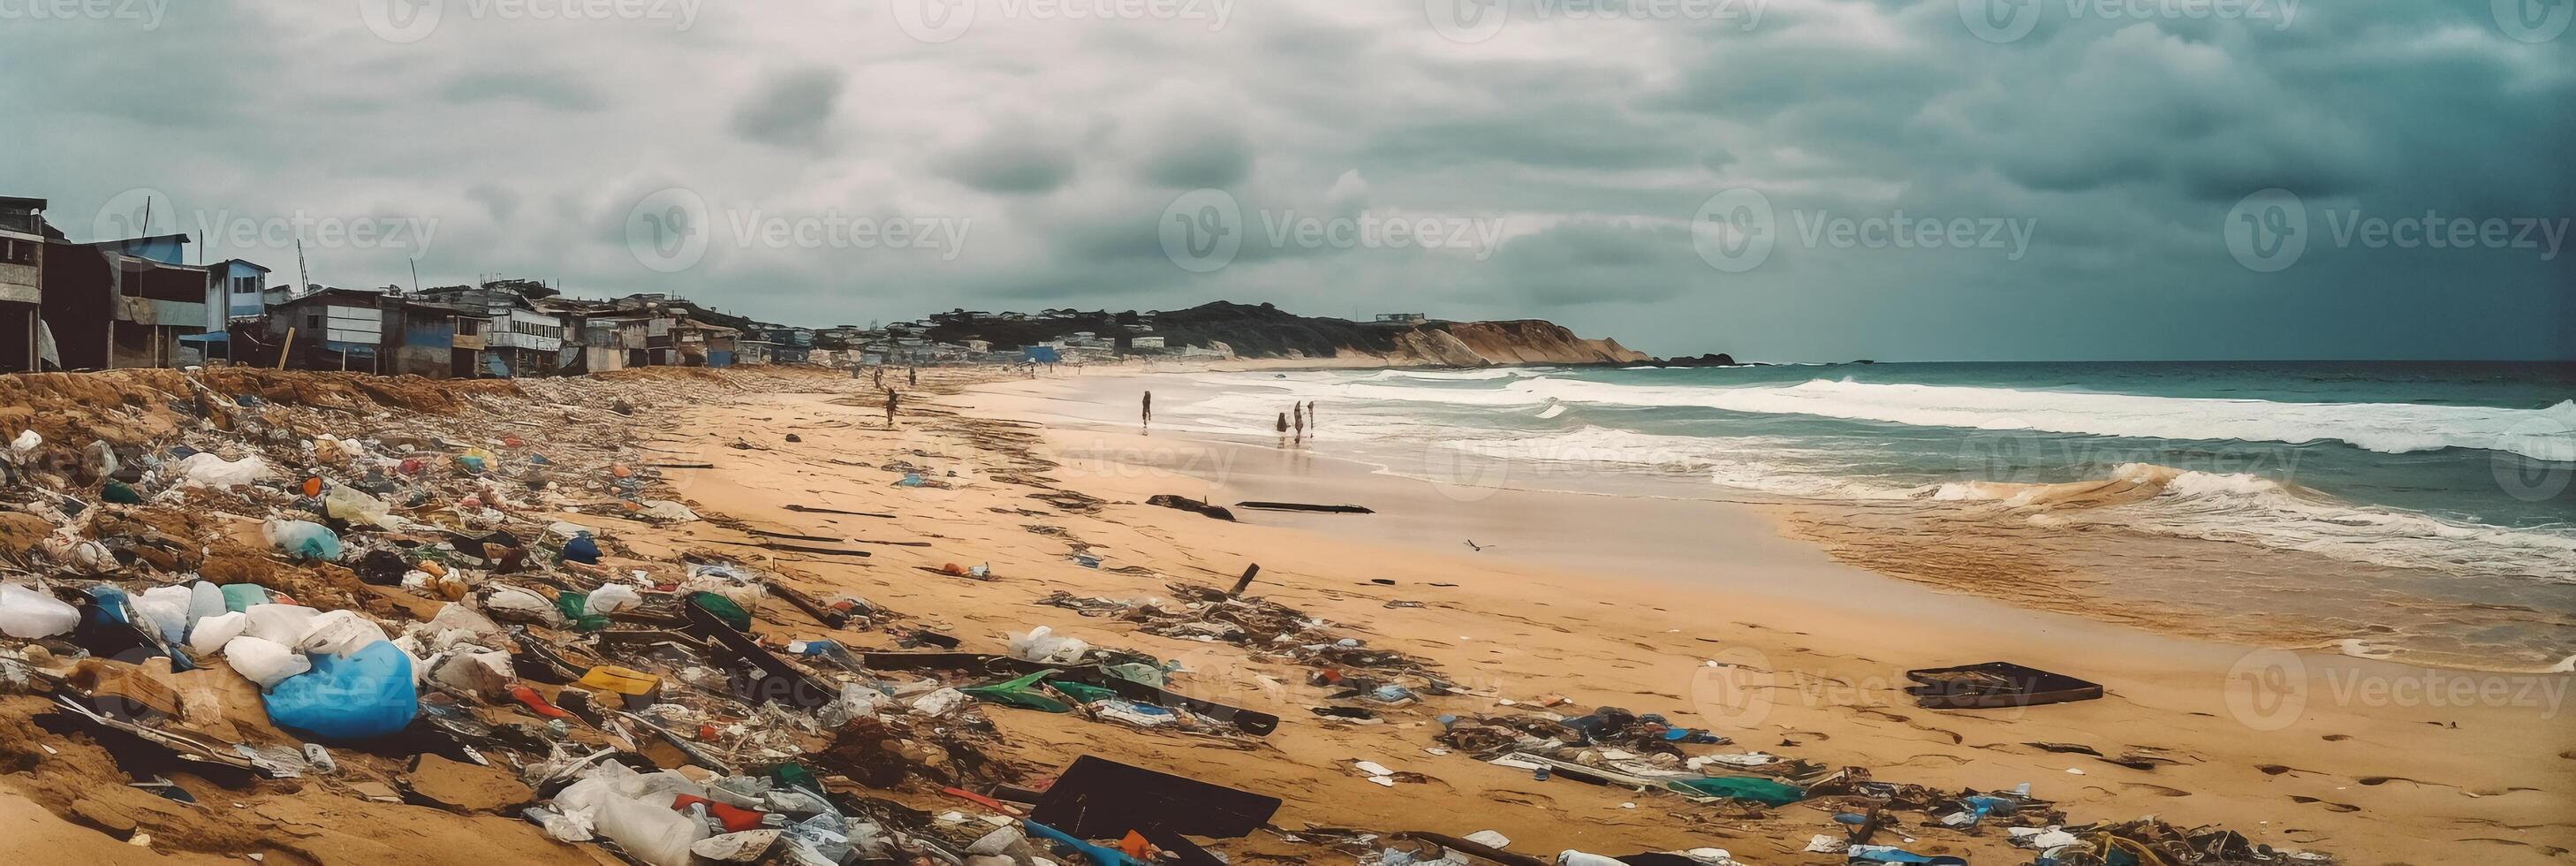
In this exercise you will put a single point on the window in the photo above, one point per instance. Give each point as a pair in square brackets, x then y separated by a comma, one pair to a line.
[17, 252]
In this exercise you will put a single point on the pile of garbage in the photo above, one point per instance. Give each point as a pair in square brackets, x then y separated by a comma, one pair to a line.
[1362, 679]
[401, 605]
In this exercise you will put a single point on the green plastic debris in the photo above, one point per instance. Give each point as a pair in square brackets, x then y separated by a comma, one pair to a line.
[1083, 692]
[723, 608]
[118, 494]
[575, 607]
[1024, 693]
[239, 597]
[1138, 672]
[1767, 792]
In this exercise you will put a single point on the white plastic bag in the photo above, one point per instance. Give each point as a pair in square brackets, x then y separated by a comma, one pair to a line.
[29, 614]
[281, 624]
[204, 469]
[1044, 646]
[611, 598]
[340, 633]
[265, 662]
[167, 609]
[209, 635]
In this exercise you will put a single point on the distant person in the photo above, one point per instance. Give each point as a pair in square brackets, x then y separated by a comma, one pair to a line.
[1283, 425]
[912, 377]
[1310, 417]
[1149, 412]
[890, 401]
[1299, 410]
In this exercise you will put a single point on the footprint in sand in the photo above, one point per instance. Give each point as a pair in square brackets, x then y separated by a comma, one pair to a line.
[2339, 807]
[2158, 790]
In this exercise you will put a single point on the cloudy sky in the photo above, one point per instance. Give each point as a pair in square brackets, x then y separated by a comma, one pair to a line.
[1784, 180]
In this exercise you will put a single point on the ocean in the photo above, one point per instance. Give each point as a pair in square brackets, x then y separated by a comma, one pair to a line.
[2391, 508]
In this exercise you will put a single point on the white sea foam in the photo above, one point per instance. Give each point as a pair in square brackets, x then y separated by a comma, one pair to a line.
[2394, 428]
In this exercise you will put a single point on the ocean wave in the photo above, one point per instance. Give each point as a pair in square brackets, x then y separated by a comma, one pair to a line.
[2542, 434]
[2244, 508]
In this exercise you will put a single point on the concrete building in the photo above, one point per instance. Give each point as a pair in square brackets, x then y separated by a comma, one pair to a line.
[22, 284]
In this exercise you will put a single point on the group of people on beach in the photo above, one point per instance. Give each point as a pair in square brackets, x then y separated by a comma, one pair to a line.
[1298, 417]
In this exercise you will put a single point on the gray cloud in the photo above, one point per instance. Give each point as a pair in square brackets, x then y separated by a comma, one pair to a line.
[791, 109]
[2123, 141]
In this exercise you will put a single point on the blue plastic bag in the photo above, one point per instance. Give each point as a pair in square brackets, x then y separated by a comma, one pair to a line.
[580, 548]
[362, 697]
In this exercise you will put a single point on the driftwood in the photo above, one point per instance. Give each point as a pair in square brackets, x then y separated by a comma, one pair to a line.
[1305, 506]
[1185, 503]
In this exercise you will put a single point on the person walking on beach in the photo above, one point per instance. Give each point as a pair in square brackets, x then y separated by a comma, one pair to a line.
[1283, 428]
[1299, 409]
[1310, 417]
[1148, 426]
[912, 377]
[890, 401]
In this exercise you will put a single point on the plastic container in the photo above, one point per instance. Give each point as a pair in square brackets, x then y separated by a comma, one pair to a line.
[367, 695]
[265, 662]
[29, 614]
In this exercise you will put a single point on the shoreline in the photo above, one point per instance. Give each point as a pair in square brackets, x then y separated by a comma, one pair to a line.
[1848, 633]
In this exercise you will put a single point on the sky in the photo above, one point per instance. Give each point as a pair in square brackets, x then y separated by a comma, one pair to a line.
[1791, 180]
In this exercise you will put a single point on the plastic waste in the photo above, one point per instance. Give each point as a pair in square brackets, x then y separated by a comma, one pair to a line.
[205, 600]
[742, 847]
[265, 662]
[240, 597]
[612, 598]
[1043, 645]
[666, 511]
[367, 695]
[282, 624]
[204, 469]
[302, 539]
[209, 635]
[580, 548]
[166, 608]
[340, 633]
[28, 614]
[355, 506]
[26, 441]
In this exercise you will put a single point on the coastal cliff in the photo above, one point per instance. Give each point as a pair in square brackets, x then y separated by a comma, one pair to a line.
[1266, 332]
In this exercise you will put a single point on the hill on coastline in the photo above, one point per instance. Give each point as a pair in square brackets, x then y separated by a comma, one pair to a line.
[1265, 331]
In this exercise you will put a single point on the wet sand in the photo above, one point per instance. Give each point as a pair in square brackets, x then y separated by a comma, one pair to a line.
[1624, 601]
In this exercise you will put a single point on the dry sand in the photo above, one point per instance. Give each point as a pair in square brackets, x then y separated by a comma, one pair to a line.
[1620, 601]
[1605, 600]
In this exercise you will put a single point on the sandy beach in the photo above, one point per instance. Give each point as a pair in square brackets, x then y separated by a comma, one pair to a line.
[1626, 602]
[1702, 611]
